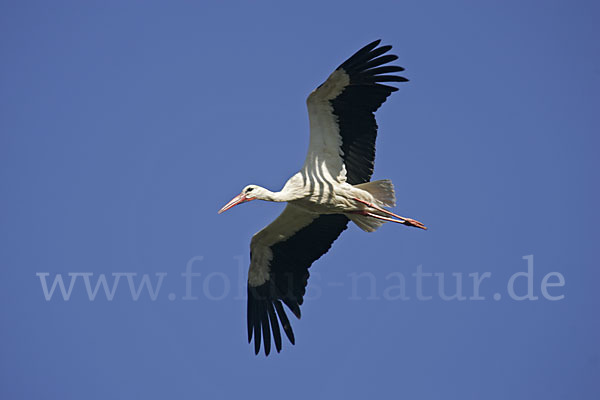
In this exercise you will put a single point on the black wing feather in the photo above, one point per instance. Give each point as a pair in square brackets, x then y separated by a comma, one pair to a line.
[257, 327]
[285, 322]
[274, 326]
[266, 329]
[362, 54]
[356, 105]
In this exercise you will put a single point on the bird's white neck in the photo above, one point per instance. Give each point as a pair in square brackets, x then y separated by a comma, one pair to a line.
[267, 195]
[288, 193]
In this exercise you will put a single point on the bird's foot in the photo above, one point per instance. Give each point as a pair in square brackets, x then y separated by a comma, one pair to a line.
[414, 222]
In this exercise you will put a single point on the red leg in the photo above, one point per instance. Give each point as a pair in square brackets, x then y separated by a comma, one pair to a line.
[401, 220]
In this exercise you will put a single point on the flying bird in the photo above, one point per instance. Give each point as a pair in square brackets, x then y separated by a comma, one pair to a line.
[332, 188]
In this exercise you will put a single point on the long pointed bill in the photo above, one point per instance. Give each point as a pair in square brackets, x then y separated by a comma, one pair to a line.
[240, 198]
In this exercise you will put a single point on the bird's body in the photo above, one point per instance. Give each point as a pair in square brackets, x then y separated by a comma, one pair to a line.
[333, 197]
[332, 188]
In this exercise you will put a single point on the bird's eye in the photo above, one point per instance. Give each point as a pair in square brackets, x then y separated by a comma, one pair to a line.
[249, 190]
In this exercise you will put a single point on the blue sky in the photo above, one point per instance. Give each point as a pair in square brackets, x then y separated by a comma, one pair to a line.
[125, 126]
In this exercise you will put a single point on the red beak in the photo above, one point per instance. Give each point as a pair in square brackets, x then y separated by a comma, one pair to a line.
[240, 198]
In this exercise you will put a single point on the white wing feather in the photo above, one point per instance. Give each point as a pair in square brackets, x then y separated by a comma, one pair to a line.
[324, 159]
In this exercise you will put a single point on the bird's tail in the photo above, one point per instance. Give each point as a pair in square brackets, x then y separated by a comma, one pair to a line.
[365, 223]
[383, 193]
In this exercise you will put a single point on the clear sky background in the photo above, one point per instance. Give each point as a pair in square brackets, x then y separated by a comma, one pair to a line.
[125, 126]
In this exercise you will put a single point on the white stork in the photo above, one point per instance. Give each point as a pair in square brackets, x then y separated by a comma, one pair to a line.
[331, 188]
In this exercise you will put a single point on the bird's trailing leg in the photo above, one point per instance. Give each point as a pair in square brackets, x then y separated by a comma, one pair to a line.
[400, 220]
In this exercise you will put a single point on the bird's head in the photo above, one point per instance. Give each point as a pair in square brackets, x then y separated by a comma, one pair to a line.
[250, 192]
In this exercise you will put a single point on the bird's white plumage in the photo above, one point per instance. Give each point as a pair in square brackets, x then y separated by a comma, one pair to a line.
[324, 158]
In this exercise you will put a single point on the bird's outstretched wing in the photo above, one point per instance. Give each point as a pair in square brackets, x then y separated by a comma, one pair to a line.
[342, 123]
[280, 255]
